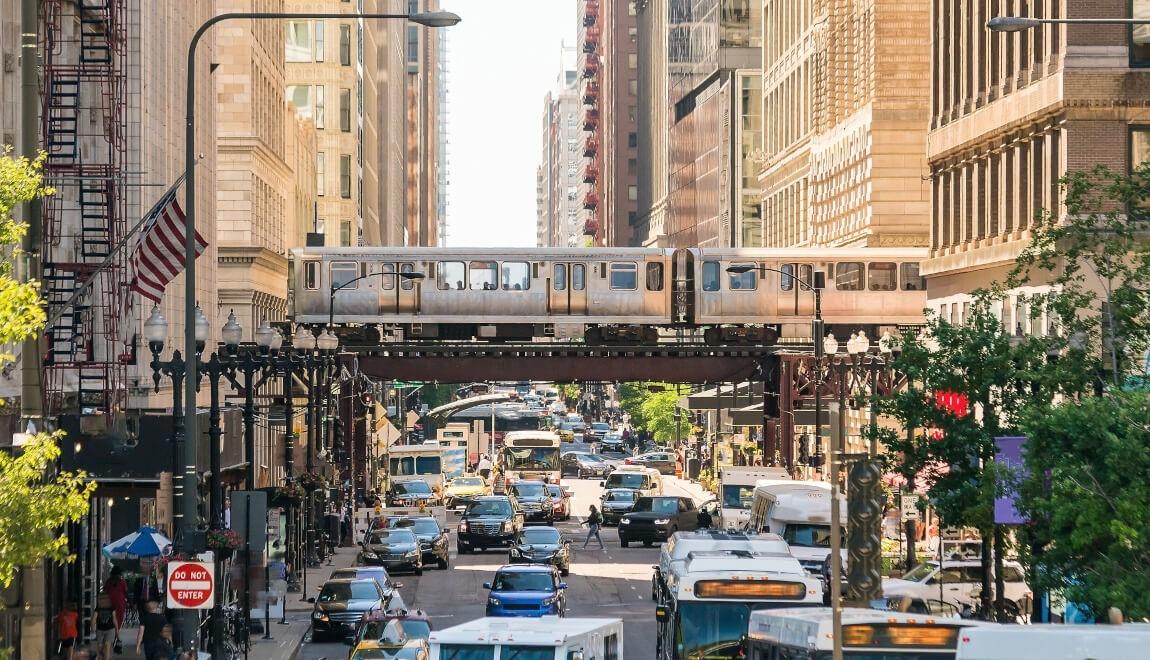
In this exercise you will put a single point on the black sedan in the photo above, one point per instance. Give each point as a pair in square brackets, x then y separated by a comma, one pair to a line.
[432, 538]
[542, 545]
[581, 464]
[617, 502]
[535, 500]
[341, 604]
[395, 549]
[411, 493]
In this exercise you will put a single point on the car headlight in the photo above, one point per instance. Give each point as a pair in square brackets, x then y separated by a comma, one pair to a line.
[506, 526]
[463, 526]
[319, 615]
[550, 601]
[625, 521]
[370, 555]
[662, 521]
[494, 601]
[515, 551]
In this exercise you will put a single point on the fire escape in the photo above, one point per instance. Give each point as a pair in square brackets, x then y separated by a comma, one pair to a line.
[592, 70]
[85, 62]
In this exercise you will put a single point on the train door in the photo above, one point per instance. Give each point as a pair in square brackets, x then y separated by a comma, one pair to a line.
[683, 294]
[568, 290]
[796, 298]
[397, 297]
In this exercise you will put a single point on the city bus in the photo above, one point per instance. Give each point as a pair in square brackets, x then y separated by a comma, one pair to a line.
[866, 635]
[530, 455]
[707, 599]
[508, 418]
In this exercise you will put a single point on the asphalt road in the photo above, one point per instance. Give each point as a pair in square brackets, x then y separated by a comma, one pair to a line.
[614, 582]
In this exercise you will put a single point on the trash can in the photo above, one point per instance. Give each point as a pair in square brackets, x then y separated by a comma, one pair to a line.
[693, 465]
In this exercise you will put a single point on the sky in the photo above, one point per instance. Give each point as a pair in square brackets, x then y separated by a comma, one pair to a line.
[502, 60]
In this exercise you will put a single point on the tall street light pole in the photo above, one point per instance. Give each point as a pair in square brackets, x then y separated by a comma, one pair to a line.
[188, 620]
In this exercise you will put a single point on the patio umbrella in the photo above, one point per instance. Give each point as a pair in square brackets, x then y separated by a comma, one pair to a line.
[144, 542]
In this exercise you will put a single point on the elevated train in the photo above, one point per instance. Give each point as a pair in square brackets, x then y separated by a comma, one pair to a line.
[606, 295]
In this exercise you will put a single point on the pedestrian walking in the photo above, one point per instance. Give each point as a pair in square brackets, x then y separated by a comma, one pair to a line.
[117, 590]
[485, 467]
[150, 638]
[68, 629]
[594, 520]
[105, 627]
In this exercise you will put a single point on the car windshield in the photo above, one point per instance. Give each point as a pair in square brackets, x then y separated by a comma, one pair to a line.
[416, 628]
[540, 535]
[627, 480]
[809, 536]
[528, 490]
[920, 572]
[334, 592]
[600, 426]
[391, 536]
[467, 482]
[377, 573]
[555, 491]
[417, 525]
[489, 508]
[738, 497]
[387, 632]
[657, 504]
[621, 496]
[713, 630]
[517, 581]
[531, 458]
[412, 488]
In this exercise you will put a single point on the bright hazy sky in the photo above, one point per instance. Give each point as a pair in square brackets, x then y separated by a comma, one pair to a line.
[502, 60]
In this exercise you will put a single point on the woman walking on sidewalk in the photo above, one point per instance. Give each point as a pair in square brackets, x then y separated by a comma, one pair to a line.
[594, 520]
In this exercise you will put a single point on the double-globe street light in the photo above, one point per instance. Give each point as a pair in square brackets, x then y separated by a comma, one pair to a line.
[187, 623]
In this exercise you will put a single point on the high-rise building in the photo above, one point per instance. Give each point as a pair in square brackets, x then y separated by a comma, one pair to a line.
[653, 125]
[591, 55]
[385, 96]
[1011, 116]
[845, 90]
[619, 122]
[565, 171]
[441, 150]
[425, 133]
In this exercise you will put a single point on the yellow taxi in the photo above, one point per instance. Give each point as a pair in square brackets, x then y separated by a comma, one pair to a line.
[462, 490]
[390, 641]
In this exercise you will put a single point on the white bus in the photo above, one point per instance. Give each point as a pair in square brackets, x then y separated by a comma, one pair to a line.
[866, 635]
[737, 489]
[707, 599]
[530, 455]
[1055, 642]
[800, 512]
[546, 638]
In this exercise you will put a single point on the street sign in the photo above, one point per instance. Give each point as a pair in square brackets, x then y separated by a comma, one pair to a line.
[190, 585]
[909, 506]
[951, 533]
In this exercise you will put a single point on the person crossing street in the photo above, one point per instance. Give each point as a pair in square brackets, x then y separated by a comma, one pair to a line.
[593, 522]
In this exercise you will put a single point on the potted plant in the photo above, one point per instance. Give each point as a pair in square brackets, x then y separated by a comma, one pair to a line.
[224, 542]
[289, 493]
[310, 481]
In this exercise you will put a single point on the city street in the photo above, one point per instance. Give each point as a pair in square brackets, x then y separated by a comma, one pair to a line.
[614, 582]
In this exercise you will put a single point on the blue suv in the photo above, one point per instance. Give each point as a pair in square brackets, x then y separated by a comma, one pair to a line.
[530, 590]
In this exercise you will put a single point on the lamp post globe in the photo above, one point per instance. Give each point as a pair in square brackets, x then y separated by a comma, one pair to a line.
[327, 341]
[232, 332]
[156, 329]
[830, 345]
[436, 19]
[303, 339]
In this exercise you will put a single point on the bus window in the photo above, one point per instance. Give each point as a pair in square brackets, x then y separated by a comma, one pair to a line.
[451, 275]
[484, 275]
[655, 277]
[882, 276]
[388, 278]
[849, 276]
[911, 280]
[311, 275]
[743, 281]
[559, 281]
[404, 283]
[516, 276]
[787, 277]
[578, 277]
[343, 273]
[624, 276]
[710, 276]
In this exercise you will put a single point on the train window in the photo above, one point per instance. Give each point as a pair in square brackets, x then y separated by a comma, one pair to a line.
[343, 273]
[655, 277]
[451, 275]
[743, 281]
[560, 277]
[882, 276]
[911, 280]
[484, 275]
[404, 283]
[849, 276]
[388, 277]
[516, 276]
[806, 277]
[710, 276]
[311, 275]
[578, 277]
[624, 276]
[787, 277]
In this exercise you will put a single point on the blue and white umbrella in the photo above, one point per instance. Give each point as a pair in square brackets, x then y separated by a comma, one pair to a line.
[144, 542]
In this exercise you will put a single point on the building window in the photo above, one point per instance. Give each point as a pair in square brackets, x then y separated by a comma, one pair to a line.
[320, 172]
[345, 176]
[320, 107]
[345, 110]
[632, 61]
[1140, 34]
[319, 41]
[298, 41]
[632, 113]
[632, 165]
[320, 226]
[633, 86]
[412, 44]
[345, 232]
[1139, 145]
[632, 139]
[632, 193]
[345, 45]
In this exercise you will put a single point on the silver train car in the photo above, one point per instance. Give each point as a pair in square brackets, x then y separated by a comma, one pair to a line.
[605, 295]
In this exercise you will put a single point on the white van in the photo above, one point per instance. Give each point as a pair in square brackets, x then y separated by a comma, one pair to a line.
[550, 637]
[646, 480]
[1054, 642]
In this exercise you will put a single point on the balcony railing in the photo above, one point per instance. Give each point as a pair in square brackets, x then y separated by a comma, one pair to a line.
[590, 201]
[590, 147]
[591, 227]
[591, 120]
[591, 40]
[591, 66]
[591, 94]
[590, 174]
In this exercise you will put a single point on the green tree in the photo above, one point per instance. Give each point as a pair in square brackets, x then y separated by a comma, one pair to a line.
[21, 309]
[631, 398]
[658, 410]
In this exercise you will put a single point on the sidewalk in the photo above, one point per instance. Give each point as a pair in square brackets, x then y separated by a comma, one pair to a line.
[285, 638]
[691, 488]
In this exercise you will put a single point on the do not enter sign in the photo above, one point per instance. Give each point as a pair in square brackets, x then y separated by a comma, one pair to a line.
[190, 585]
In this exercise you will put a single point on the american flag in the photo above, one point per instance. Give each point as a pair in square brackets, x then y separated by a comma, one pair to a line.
[159, 256]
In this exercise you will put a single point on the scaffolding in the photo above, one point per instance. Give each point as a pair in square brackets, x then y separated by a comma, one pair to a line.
[84, 47]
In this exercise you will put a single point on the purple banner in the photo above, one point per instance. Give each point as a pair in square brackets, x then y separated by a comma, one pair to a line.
[1009, 453]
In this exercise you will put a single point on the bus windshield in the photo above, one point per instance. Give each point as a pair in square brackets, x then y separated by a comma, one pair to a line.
[408, 466]
[706, 631]
[738, 497]
[531, 458]
[808, 535]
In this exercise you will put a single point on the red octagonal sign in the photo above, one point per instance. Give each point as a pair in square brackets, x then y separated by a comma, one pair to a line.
[190, 585]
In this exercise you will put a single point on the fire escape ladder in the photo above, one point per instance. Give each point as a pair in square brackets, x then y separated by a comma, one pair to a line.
[95, 23]
[96, 219]
[63, 117]
[68, 335]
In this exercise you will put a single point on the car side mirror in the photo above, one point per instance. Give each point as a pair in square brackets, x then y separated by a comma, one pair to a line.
[602, 484]
[562, 585]
[486, 585]
[311, 600]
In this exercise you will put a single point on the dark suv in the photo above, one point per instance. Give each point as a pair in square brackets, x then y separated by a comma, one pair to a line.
[488, 522]
[655, 519]
[535, 500]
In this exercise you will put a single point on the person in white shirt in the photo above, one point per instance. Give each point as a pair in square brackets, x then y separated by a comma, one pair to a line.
[485, 467]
